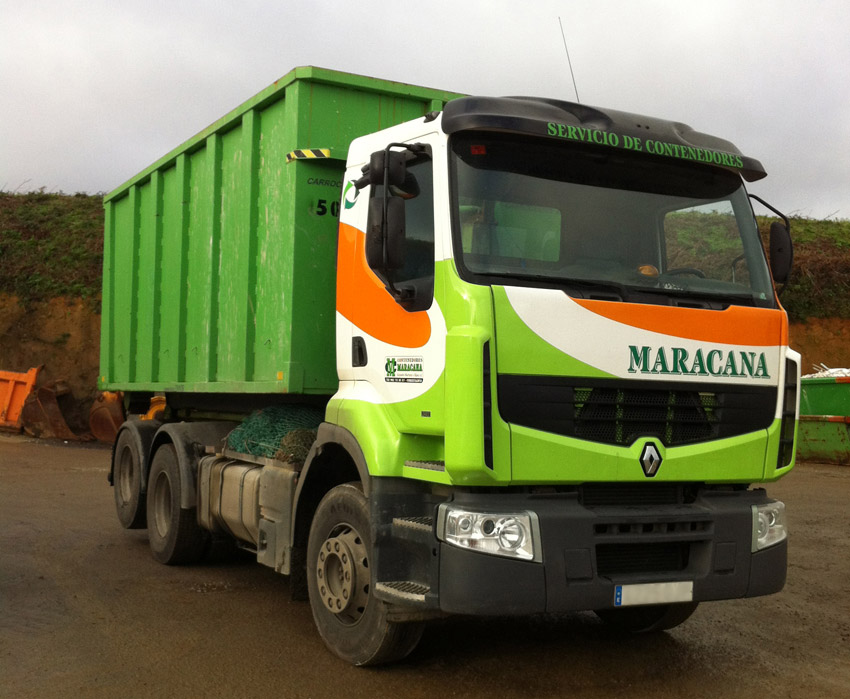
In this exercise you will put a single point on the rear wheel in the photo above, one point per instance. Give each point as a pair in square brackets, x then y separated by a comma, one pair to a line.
[174, 534]
[350, 620]
[648, 619]
[127, 482]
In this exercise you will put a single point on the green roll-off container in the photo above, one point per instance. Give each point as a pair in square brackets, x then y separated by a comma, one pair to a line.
[219, 259]
[824, 432]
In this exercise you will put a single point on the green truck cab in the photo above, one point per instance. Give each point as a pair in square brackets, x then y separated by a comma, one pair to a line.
[430, 354]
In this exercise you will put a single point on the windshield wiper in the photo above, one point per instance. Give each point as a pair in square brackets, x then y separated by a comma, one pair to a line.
[721, 296]
[592, 284]
[561, 283]
[622, 292]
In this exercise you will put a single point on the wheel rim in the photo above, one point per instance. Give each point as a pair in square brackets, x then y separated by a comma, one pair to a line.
[162, 504]
[342, 574]
[126, 470]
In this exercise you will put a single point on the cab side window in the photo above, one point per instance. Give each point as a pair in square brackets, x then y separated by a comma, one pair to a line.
[418, 193]
[416, 278]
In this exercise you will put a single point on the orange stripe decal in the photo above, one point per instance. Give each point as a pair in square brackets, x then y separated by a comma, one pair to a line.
[363, 300]
[737, 325]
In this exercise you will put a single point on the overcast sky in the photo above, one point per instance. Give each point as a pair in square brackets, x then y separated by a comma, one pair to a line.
[92, 92]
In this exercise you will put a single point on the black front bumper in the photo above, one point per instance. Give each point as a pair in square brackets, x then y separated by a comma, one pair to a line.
[588, 550]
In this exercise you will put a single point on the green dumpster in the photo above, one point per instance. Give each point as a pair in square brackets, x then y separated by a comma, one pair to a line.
[824, 433]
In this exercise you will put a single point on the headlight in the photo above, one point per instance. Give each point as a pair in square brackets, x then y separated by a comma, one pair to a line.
[511, 534]
[769, 525]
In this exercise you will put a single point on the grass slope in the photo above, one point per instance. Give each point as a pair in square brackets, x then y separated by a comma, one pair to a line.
[52, 245]
[820, 281]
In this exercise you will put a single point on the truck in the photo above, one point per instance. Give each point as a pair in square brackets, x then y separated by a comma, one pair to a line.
[431, 354]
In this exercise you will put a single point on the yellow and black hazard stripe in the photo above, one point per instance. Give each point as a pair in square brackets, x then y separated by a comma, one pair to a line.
[308, 153]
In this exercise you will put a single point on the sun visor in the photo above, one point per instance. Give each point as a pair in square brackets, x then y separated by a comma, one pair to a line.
[607, 128]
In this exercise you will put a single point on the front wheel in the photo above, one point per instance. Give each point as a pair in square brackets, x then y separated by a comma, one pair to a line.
[351, 621]
[648, 619]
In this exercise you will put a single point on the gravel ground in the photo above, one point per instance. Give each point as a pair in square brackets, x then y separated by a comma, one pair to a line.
[86, 611]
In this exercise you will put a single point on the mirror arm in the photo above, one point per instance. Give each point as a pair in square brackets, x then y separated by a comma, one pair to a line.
[787, 232]
[384, 226]
[363, 180]
[776, 211]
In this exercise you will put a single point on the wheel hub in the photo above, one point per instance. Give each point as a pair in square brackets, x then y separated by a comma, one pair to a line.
[342, 574]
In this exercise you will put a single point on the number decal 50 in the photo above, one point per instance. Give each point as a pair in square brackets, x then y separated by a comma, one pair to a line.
[322, 208]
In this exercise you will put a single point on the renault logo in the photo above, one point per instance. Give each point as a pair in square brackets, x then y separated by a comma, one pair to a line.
[650, 459]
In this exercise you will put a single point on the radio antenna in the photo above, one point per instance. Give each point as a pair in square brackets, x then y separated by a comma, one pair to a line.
[569, 62]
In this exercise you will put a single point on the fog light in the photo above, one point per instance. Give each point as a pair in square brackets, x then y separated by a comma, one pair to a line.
[769, 525]
[511, 534]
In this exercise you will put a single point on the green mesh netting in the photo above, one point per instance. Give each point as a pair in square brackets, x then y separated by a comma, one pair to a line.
[279, 431]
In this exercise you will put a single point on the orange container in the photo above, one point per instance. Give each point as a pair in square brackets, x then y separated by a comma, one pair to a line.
[14, 389]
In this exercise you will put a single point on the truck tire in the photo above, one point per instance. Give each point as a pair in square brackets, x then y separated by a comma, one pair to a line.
[647, 619]
[174, 534]
[351, 621]
[127, 480]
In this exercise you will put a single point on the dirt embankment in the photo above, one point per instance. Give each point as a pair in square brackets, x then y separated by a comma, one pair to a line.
[64, 335]
[822, 341]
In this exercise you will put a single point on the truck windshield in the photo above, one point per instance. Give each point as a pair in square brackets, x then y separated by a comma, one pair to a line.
[604, 223]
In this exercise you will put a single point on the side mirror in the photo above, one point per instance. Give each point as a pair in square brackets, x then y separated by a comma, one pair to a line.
[385, 237]
[781, 252]
[394, 161]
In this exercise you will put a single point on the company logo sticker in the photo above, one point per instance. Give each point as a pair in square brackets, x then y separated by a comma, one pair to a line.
[350, 194]
[650, 459]
[404, 370]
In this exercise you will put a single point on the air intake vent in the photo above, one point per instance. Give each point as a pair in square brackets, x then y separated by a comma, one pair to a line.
[619, 412]
[621, 415]
[621, 559]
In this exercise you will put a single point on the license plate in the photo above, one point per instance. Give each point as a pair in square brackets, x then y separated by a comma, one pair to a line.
[653, 593]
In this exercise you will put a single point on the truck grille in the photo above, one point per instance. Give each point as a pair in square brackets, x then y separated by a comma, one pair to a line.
[613, 411]
[622, 559]
[618, 416]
